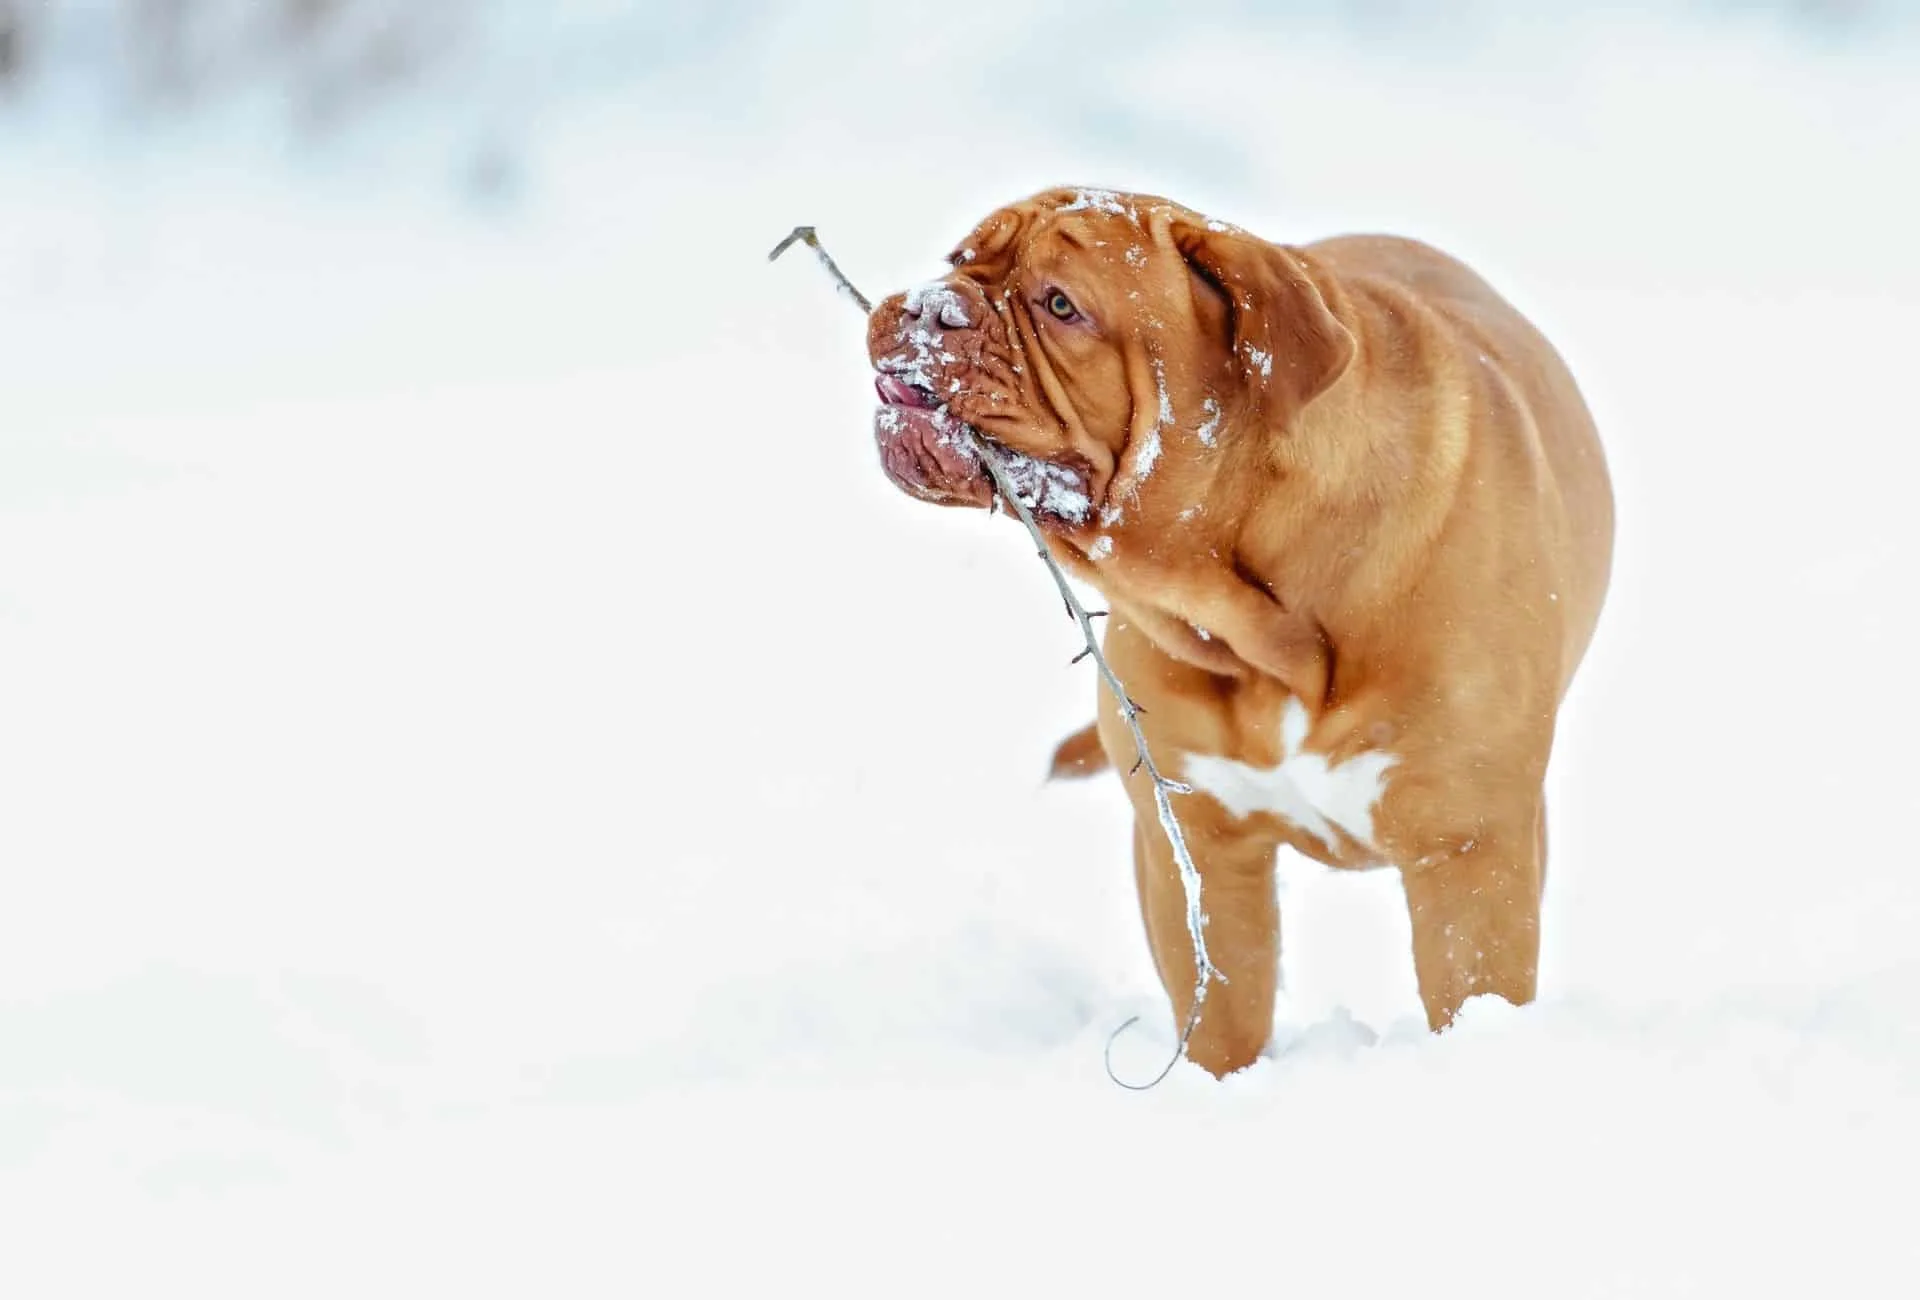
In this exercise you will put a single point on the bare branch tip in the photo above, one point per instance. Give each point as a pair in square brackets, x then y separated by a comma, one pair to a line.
[799, 234]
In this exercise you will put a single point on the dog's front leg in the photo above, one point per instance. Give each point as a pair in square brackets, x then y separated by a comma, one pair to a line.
[1243, 932]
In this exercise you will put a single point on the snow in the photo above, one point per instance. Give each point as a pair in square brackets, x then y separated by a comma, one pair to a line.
[499, 796]
[1097, 201]
[940, 299]
[1147, 457]
[1210, 426]
[954, 434]
[1043, 486]
[1144, 457]
[923, 349]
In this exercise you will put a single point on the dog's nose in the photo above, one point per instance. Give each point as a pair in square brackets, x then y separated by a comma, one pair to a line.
[938, 301]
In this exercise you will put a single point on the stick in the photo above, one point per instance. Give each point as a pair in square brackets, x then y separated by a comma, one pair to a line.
[805, 235]
[1163, 788]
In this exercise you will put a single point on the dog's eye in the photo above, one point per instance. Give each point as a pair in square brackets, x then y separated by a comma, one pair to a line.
[1060, 307]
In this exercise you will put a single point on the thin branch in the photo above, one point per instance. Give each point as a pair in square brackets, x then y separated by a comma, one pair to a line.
[1163, 787]
[805, 235]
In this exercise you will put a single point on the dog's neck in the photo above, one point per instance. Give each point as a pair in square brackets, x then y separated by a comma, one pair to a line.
[1323, 523]
[1343, 505]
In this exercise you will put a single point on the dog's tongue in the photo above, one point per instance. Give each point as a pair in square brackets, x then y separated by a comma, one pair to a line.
[895, 391]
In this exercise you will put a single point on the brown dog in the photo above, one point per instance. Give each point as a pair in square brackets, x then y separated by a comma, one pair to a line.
[1355, 526]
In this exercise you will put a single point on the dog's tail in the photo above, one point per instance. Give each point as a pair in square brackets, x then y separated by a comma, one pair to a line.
[1078, 755]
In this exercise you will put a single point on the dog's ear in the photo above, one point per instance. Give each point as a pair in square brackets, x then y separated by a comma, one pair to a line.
[1286, 343]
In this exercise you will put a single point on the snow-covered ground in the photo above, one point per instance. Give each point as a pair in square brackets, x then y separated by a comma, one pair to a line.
[499, 796]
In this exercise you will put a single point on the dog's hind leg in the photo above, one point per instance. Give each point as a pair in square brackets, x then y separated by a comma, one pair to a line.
[1476, 919]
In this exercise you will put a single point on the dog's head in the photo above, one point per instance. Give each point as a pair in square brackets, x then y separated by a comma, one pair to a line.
[1088, 334]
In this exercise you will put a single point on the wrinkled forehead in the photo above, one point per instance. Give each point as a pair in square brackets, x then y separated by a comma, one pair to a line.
[1038, 232]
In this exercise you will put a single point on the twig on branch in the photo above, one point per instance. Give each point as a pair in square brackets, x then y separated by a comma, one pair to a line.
[1163, 787]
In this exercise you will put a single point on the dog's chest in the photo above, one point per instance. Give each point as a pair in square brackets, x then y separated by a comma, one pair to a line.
[1331, 801]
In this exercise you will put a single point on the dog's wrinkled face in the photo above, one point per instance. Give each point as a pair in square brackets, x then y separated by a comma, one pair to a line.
[1081, 331]
[1043, 339]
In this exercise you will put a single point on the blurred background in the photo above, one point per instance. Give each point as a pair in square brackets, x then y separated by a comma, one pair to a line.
[481, 744]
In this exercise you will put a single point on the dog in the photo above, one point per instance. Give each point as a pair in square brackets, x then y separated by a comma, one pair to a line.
[1355, 526]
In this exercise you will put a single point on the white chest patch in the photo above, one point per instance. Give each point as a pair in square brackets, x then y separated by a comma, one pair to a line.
[1304, 790]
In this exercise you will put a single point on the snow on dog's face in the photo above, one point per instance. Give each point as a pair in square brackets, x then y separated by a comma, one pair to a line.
[1075, 333]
